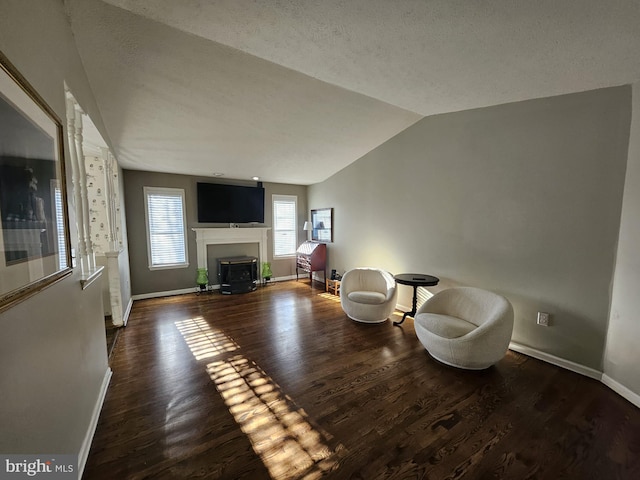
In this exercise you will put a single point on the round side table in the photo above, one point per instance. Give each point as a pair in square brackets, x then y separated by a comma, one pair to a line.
[415, 280]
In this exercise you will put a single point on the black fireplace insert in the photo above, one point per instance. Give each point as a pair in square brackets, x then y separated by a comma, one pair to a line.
[237, 274]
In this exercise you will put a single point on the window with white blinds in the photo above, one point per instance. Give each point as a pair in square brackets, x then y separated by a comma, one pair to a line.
[285, 232]
[60, 235]
[166, 227]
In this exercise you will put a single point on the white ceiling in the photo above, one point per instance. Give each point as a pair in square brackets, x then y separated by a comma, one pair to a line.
[294, 91]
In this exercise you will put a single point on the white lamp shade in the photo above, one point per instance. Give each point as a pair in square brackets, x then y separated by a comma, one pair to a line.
[307, 226]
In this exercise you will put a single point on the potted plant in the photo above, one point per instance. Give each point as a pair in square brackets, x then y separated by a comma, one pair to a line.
[202, 279]
[266, 272]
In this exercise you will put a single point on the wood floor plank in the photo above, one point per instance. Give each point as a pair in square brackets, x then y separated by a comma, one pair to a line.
[279, 384]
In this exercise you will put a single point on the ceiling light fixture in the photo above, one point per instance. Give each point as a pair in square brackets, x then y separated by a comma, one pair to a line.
[255, 178]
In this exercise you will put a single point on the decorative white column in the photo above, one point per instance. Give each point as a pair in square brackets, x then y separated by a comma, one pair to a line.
[115, 292]
[84, 209]
[77, 197]
[115, 212]
[111, 201]
[113, 253]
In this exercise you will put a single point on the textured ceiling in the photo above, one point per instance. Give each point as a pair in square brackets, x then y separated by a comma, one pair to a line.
[293, 91]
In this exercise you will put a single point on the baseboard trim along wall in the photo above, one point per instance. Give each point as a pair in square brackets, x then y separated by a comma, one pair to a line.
[93, 424]
[560, 362]
[127, 312]
[283, 279]
[402, 308]
[577, 368]
[621, 390]
[168, 293]
[183, 291]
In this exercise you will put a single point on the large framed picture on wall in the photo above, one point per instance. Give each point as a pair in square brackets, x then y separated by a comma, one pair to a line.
[321, 225]
[34, 225]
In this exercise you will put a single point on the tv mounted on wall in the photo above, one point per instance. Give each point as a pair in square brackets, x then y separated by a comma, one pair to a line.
[220, 203]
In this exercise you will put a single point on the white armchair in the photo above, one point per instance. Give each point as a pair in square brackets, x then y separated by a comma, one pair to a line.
[368, 295]
[465, 327]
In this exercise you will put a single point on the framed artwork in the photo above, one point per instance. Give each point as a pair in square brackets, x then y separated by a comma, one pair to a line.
[34, 224]
[321, 225]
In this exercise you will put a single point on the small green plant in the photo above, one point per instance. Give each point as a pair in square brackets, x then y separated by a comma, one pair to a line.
[266, 271]
[202, 279]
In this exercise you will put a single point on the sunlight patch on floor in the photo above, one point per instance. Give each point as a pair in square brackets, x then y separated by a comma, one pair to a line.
[288, 445]
[202, 340]
[330, 296]
[279, 431]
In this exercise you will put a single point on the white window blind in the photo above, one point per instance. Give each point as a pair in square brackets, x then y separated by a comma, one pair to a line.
[285, 238]
[62, 243]
[166, 227]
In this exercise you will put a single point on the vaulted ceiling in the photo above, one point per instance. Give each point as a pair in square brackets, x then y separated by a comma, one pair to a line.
[294, 91]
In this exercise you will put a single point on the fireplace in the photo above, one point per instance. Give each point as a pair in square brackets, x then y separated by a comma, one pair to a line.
[237, 274]
[218, 236]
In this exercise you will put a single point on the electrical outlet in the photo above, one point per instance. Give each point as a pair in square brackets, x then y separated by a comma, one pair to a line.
[543, 319]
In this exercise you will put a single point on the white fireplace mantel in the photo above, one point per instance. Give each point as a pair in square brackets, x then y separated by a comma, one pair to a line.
[218, 236]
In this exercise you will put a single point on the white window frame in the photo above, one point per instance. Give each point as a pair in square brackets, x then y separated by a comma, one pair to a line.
[172, 192]
[285, 198]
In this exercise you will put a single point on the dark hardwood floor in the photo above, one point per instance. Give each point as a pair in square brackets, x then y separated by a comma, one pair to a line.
[279, 384]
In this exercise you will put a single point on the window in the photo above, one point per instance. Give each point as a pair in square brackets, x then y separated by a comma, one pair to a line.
[285, 233]
[166, 227]
[60, 236]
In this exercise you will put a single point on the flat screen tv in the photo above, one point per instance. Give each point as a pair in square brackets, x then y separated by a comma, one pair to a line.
[220, 203]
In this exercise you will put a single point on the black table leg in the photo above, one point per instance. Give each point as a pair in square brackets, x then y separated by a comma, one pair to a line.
[403, 317]
[413, 310]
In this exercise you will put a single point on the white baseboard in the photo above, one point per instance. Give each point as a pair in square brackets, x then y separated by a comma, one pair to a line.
[279, 279]
[183, 291]
[403, 308]
[93, 424]
[560, 362]
[168, 293]
[127, 312]
[581, 369]
[621, 390]
[283, 279]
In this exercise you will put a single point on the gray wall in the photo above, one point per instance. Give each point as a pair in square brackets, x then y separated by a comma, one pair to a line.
[523, 199]
[53, 356]
[622, 354]
[144, 280]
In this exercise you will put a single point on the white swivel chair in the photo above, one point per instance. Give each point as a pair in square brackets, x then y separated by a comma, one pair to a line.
[465, 327]
[368, 295]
